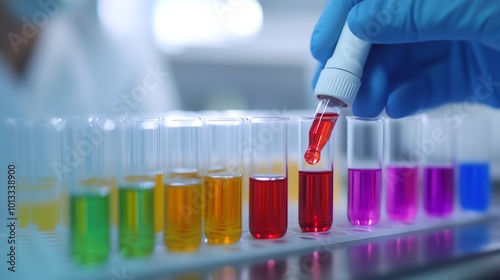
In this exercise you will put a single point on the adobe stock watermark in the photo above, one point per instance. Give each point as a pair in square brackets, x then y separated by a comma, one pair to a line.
[73, 156]
[455, 117]
[308, 264]
[354, 49]
[382, 18]
[121, 275]
[265, 136]
[126, 102]
[485, 90]
[49, 9]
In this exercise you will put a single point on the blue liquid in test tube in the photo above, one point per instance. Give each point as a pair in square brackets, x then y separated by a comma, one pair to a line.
[475, 186]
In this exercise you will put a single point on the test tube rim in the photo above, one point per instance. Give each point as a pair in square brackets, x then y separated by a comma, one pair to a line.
[365, 119]
[183, 122]
[308, 118]
[266, 119]
[223, 120]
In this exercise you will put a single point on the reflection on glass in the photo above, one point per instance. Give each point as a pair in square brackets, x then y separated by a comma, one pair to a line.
[188, 276]
[401, 252]
[438, 245]
[317, 265]
[271, 269]
[225, 273]
[473, 238]
[364, 259]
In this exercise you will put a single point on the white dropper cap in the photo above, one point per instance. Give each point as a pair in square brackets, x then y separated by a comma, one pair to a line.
[341, 77]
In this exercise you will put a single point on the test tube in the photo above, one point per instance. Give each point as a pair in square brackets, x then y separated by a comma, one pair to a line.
[223, 180]
[83, 163]
[473, 158]
[183, 174]
[315, 181]
[402, 167]
[268, 199]
[37, 145]
[364, 162]
[437, 148]
[140, 179]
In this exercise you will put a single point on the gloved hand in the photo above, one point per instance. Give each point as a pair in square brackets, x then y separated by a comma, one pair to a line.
[426, 52]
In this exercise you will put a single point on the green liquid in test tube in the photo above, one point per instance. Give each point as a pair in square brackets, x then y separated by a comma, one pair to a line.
[90, 227]
[136, 222]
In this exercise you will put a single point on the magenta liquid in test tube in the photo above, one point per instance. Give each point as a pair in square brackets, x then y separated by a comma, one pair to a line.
[437, 148]
[402, 158]
[364, 162]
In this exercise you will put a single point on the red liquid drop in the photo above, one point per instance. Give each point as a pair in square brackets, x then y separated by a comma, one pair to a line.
[268, 206]
[319, 134]
[315, 200]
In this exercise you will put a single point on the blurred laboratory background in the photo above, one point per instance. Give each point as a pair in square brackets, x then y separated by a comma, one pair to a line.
[230, 54]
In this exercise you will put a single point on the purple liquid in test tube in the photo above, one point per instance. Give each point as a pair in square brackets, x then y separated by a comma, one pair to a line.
[402, 192]
[364, 196]
[438, 191]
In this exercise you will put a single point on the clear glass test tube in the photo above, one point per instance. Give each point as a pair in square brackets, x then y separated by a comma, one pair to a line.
[89, 194]
[223, 180]
[402, 160]
[364, 162]
[436, 147]
[37, 155]
[315, 181]
[183, 180]
[140, 202]
[268, 199]
[473, 159]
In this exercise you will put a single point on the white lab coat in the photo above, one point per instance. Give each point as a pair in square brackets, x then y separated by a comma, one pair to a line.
[76, 69]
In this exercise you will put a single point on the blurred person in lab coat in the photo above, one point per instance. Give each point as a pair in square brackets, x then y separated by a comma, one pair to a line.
[56, 60]
[425, 53]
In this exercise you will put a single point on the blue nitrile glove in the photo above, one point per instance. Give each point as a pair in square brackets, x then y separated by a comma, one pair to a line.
[426, 52]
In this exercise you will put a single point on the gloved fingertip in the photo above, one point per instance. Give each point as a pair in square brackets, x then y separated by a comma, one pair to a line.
[357, 27]
[372, 96]
[360, 110]
[405, 100]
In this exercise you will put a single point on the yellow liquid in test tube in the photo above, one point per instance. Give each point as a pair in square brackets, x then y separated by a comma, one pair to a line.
[45, 209]
[222, 208]
[64, 206]
[23, 214]
[183, 203]
[337, 185]
[24, 208]
[157, 196]
[293, 180]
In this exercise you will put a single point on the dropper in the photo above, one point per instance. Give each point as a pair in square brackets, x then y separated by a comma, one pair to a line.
[337, 87]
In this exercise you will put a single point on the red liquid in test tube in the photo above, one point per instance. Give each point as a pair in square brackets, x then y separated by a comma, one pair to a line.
[315, 200]
[268, 206]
